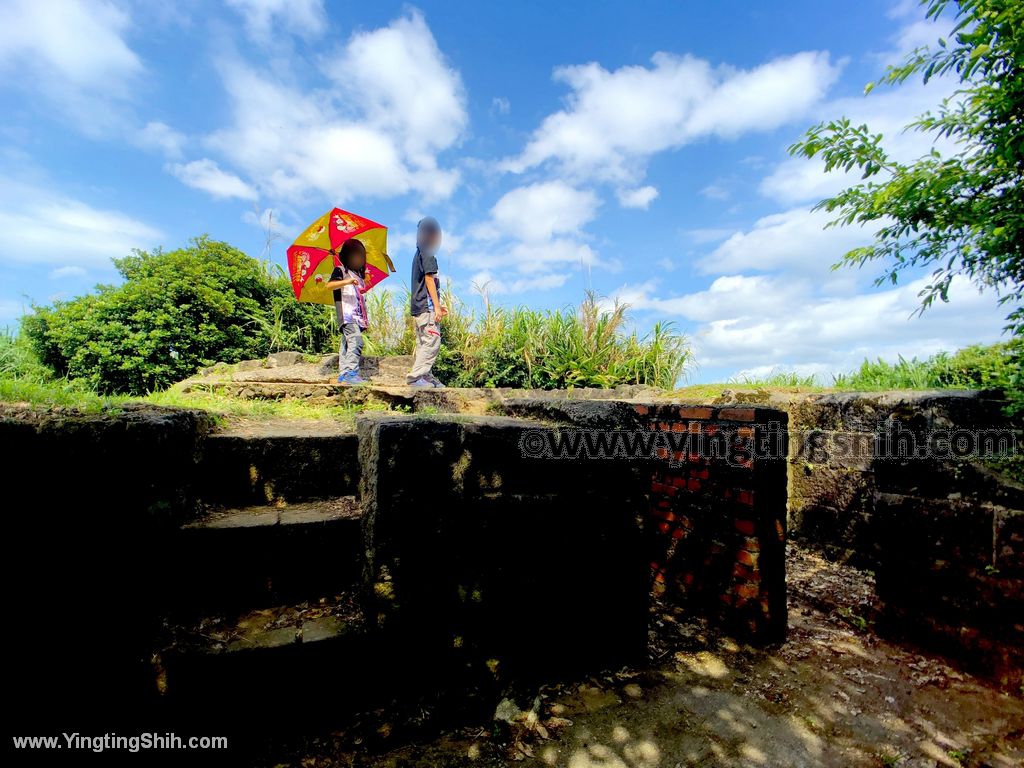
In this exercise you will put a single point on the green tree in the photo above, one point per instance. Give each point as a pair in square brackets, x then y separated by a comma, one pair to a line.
[961, 214]
[174, 312]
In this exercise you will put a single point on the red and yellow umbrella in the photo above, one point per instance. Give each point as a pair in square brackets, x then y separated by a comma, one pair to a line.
[310, 262]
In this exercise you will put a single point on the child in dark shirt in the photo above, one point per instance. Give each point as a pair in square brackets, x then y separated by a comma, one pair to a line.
[425, 304]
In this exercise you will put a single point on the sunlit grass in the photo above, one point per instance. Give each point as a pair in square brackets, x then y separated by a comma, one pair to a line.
[236, 407]
[782, 379]
[502, 348]
[785, 383]
[59, 393]
[67, 394]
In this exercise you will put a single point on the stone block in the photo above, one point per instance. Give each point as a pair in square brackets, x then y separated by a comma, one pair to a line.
[283, 359]
[914, 532]
[477, 551]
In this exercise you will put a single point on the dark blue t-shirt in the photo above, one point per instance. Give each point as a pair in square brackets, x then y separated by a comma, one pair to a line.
[422, 265]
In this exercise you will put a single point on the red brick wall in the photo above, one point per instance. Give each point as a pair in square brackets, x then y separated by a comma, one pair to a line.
[717, 522]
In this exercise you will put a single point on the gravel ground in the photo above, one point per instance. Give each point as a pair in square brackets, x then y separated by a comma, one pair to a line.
[834, 694]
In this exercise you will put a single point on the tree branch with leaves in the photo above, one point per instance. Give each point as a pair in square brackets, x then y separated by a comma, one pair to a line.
[960, 214]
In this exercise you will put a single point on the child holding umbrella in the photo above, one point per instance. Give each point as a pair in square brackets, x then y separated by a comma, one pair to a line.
[348, 281]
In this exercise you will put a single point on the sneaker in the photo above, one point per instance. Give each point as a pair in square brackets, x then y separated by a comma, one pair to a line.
[435, 381]
[355, 378]
[422, 382]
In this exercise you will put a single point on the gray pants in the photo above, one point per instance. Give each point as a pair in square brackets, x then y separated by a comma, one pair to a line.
[351, 349]
[428, 344]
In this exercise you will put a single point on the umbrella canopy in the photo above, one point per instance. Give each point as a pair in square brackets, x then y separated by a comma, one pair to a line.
[310, 262]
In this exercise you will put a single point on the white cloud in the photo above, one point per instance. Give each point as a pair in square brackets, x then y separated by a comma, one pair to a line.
[641, 197]
[739, 296]
[885, 111]
[526, 257]
[500, 106]
[503, 285]
[533, 238]
[795, 241]
[756, 324]
[71, 55]
[774, 302]
[616, 119]
[206, 175]
[709, 234]
[390, 104]
[841, 332]
[899, 9]
[405, 86]
[265, 218]
[264, 19]
[715, 192]
[915, 32]
[73, 42]
[162, 138]
[34, 219]
[539, 212]
[61, 273]
[798, 180]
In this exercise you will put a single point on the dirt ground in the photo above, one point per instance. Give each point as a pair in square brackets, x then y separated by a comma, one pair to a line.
[833, 695]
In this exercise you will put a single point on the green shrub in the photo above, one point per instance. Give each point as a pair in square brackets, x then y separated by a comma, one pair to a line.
[174, 312]
[292, 325]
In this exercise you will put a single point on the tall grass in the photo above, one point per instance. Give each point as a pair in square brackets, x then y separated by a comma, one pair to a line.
[778, 378]
[24, 379]
[879, 374]
[19, 361]
[996, 366]
[494, 346]
[555, 349]
[390, 330]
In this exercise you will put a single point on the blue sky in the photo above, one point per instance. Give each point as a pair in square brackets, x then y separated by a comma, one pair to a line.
[636, 149]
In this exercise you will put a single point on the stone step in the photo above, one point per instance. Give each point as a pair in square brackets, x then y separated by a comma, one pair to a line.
[308, 665]
[395, 367]
[323, 512]
[267, 628]
[394, 394]
[271, 663]
[392, 368]
[243, 467]
[235, 559]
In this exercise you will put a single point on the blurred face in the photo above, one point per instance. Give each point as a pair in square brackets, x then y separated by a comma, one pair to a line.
[354, 256]
[429, 238]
